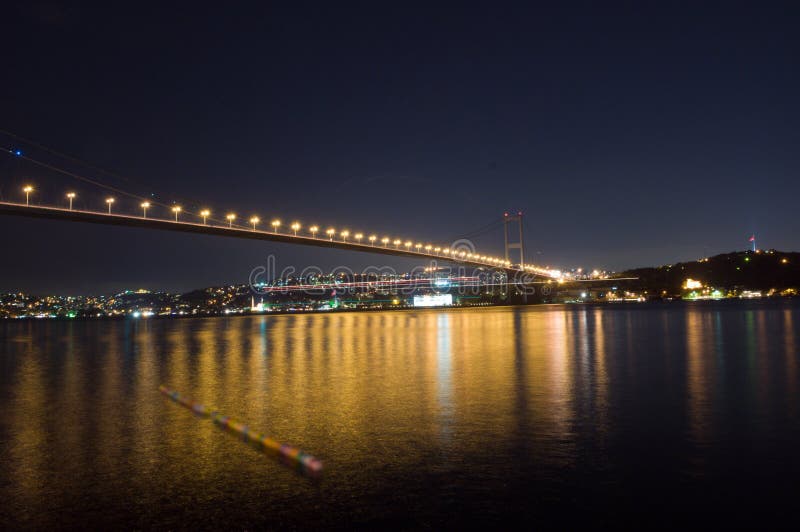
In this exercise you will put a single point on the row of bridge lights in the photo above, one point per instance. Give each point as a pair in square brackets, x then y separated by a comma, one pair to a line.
[314, 229]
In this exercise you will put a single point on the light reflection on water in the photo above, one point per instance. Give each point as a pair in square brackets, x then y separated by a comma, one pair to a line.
[422, 418]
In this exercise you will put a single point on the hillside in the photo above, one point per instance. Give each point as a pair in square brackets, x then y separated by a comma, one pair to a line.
[760, 270]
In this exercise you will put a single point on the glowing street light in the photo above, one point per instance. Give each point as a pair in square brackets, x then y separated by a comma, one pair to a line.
[70, 197]
[296, 227]
[254, 220]
[177, 210]
[397, 243]
[275, 225]
[428, 248]
[313, 230]
[345, 234]
[446, 251]
[408, 244]
[230, 217]
[372, 239]
[358, 237]
[205, 213]
[330, 232]
[145, 205]
[385, 241]
[27, 190]
[418, 246]
[437, 249]
[110, 202]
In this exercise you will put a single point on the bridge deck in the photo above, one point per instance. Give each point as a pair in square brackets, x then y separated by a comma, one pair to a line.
[57, 213]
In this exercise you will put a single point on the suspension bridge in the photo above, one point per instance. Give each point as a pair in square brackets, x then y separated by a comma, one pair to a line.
[118, 210]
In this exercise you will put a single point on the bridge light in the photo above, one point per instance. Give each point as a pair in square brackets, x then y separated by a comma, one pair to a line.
[358, 237]
[345, 234]
[275, 225]
[145, 205]
[446, 251]
[177, 210]
[254, 220]
[110, 202]
[385, 241]
[408, 244]
[330, 232]
[372, 239]
[205, 213]
[397, 243]
[295, 227]
[70, 197]
[27, 190]
[313, 230]
[437, 249]
[230, 217]
[428, 248]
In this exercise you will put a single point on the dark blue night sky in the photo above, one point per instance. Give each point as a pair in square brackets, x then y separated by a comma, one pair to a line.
[630, 134]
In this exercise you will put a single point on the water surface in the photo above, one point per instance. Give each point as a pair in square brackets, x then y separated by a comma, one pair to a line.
[662, 414]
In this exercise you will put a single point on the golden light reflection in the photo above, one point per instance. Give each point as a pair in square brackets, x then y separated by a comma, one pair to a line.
[360, 390]
[700, 338]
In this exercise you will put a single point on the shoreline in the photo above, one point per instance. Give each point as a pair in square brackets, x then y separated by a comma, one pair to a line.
[613, 304]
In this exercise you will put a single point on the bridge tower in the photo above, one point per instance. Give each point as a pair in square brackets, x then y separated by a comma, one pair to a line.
[519, 243]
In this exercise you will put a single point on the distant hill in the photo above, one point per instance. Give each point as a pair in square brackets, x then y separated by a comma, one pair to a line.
[760, 270]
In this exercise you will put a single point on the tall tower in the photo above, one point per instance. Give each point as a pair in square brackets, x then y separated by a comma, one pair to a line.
[519, 243]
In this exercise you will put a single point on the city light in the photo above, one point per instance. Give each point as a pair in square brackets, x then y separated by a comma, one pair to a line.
[344, 235]
[275, 225]
[145, 205]
[255, 221]
[372, 239]
[70, 197]
[358, 237]
[205, 213]
[27, 190]
[691, 284]
[330, 232]
[385, 241]
[110, 202]
[177, 210]
[408, 244]
[397, 243]
[230, 217]
[313, 230]
[295, 227]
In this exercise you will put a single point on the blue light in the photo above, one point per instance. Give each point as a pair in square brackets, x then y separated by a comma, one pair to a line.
[18, 153]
